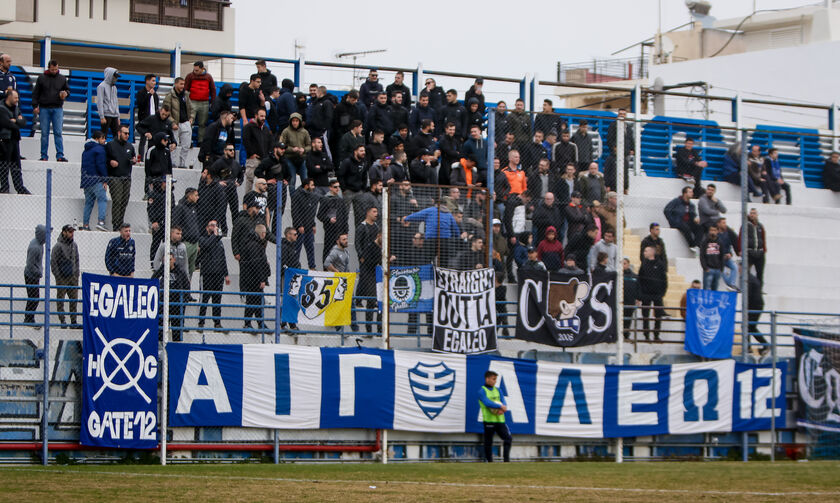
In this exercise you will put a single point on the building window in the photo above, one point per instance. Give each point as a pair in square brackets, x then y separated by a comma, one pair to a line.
[198, 14]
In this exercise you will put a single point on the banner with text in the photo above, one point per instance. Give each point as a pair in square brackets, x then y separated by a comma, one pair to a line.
[566, 310]
[465, 311]
[818, 380]
[120, 362]
[710, 322]
[297, 387]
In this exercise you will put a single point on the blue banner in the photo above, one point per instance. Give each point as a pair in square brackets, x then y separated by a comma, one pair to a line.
[411, 288]
[710, 322]
[120, 362]
[298, 387]
[818, 379]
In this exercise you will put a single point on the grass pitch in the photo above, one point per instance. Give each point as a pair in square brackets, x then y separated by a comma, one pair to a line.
[403, 483]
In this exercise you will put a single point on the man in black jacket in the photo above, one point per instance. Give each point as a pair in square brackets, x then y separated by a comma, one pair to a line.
[321, 118]
[251, 98]
[146, 104]
[257, 140]
[320, 167]
[217, 135]
[212, 263]
[682, 215]
[222, 102]
[421, 141]
[353, 175]
[254, 272]
[711, 259]
[158, 159]
[275, 171]
[120, 156]
[151, 125]
[333, 214]
[304, 210]
[399, 87]
[653, 283]
[397, 111]
[11, 120]
[48, 97]
[369, 89]
[831, 172]
[229, 174]
[546, 214]
[177, 281]
[186, 217]
[543, 180]
[585, 149]
[565, 152]
[653, 240]
[756, 243]
[156, 211]
[267, 79]
[689, 164]
[453, 112]
[548, 120]
[450, 152]
[344, 115]
[379, 118]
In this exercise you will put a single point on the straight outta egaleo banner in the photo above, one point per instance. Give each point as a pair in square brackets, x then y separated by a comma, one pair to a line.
[120, 366]
[465, 311]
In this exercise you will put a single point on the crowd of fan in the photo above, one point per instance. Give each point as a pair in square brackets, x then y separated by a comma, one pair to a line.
[552, 207]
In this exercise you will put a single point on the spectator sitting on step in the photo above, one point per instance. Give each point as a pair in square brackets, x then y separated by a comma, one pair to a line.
[775, 183]
[682, 215]
[732, 168]
[710, 207]
[831, 172]
[689, 164]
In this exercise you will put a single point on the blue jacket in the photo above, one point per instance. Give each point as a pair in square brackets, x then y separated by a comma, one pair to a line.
[448, 225]
[731, 170]
[417, 115]
[119, 256]
[94, 167]
[482, 397]
[774, 168]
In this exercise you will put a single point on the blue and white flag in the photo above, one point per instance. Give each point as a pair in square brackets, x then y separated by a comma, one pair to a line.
[710, 322]
[298, 387]
[323, 299]
[120, 362]
[412, 289]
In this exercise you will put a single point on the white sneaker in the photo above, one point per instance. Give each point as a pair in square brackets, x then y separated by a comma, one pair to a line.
[101, 226]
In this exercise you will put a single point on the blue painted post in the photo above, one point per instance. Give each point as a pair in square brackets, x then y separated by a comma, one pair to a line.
[11, 309]
[175, 61]
[533, 97]
[491, 154]
[417, 84]
[89, 119]
[45, 412]
[735, 109]
[633, 109]
[523, 85]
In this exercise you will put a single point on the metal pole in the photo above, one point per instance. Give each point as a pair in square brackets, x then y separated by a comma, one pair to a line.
[278, 286]
[175, 71]
[532, 94]
[45, 413]
[619, 276]
[386, 292]
[637, 130]
[301, 68]
[46, 52]
[773, 387]
[418, 83]
[832, 123]
[491, 153]
[745, 270]
[167, 247]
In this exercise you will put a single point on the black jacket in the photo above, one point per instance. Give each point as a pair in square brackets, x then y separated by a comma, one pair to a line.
[211, 255]
[212, 203]
[10, 122]
[141, 103]
[186, 217]
[257, 140]
[253, 261]
[321, 118]
[657, 244]
[678, 211]
[455, 113]
[378, 117]
[222, 102]
[318, 167]
[227, 170]
[154, 124]
[418, 143]
[549, 122]
[399, 115]
[243, 226]
[304, 209]
[535, 184]
[419, 172]
[249, 100]
[585, 150]
[288, 256]
[353, 174]
[272, 168]
[47, 88]
[216, 138]
[347, 144]
[333, 206]
[402, 89]
[158, 159]
[343, 114]
[123, 153]
[544, 217]
[267, 82]
[653, 279]
[711, 254]
[631, 288]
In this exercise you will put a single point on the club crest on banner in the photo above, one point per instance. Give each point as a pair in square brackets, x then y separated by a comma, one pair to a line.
[709, 317]
[564, 301]
[405, 288]
[432, 387]
[315, 294]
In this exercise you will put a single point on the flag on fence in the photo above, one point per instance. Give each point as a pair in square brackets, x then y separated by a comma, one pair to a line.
[710, 322]
[120, 362]
[818, 365]
[317, 298]
[411, 289]
[465, 311]
[566, 310]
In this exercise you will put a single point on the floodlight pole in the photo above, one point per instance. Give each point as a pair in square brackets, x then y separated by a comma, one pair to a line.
[619, 274]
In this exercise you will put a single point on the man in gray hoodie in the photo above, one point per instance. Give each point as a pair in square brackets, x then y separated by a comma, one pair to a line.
[107, 103]
[64, 264]
[33, 271]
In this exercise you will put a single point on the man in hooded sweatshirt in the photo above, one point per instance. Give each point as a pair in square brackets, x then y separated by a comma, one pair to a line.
[222, 102]
[107, 103]
[94, 180]
[158, 159]
[33, 271]
[64, 264]
[298, 144]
